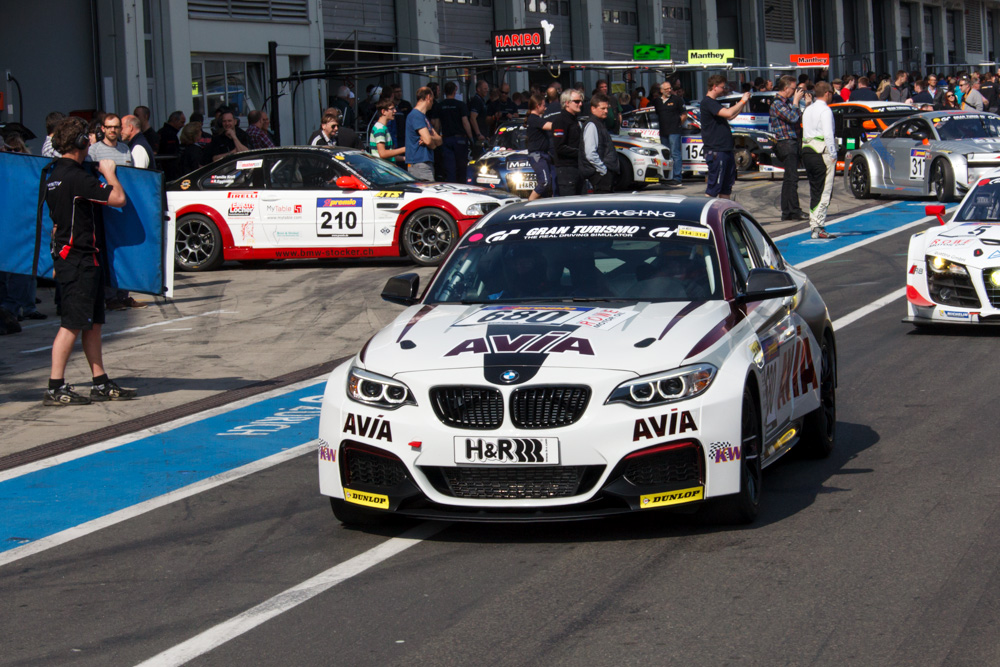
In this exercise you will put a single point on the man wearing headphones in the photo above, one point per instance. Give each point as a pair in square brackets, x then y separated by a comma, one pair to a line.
[71, 192]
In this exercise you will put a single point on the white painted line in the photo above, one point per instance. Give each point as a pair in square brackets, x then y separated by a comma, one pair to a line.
[800, 232]
[153, 430]
[291, 598]
[850, 318]
[855, 246]
[106, 334]
[100, 523]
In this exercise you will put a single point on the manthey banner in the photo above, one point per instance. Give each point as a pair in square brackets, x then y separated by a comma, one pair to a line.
[134, 249]
[811, 60]
[710, 56]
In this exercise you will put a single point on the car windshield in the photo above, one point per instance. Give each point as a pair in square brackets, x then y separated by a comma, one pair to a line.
[510, 137]
[587, 260]
[967, 127]
[983, 205]
[375, 170]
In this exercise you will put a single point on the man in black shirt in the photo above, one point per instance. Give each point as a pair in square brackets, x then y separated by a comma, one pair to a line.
[230, 140]
[717, 138]
[477, 113]
[456, 132]
[71, 192]
[502, 109]
[567, 141]
[539, 144]
[670, 112]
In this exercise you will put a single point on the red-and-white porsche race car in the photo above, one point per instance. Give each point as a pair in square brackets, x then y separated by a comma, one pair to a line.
[314, 202]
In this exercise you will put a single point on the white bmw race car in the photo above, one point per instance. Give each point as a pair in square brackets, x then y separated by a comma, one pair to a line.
[953, 271]
[580, 357]
[303, 202]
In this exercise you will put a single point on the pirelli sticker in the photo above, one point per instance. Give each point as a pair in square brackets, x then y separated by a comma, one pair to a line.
[376, 500]
[671, 497]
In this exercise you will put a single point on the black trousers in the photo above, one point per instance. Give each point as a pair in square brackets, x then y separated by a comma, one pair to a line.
[788, 154]
[603, 185]
[568, 181]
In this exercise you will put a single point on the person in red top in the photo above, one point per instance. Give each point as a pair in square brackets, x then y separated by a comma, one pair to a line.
[71, 193]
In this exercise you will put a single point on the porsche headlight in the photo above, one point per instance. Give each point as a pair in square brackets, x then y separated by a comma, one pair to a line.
[377, 390]
[643, 151]
[942, 265]
[665, 387]
[994, 276]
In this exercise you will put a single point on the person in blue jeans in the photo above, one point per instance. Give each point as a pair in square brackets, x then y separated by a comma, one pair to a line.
[670, 112]
[717, 138]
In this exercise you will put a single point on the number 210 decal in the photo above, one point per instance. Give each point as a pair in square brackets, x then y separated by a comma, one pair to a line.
[338, 216]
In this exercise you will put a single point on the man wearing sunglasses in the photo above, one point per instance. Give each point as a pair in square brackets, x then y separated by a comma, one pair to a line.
[110, 148]
[567, 139]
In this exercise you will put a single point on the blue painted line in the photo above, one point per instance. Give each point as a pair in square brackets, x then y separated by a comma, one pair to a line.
[800, 248]
[50, 500]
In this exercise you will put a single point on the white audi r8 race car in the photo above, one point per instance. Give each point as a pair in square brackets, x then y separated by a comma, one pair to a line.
[581, 357]
[953, 271]
[313, 202]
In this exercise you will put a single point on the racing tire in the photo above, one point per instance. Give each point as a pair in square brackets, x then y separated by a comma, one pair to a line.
[428, 235]
[819, 430]
[859, 180]
[352, 515]
[743, 507]
[744, 159]
[942, 181]
[197, 244]
[626, 177]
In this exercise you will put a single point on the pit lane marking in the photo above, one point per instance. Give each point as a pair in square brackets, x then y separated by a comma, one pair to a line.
[856, 315]
[106, 334]
[238, 625]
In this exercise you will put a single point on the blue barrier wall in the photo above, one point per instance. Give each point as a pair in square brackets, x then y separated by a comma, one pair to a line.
[134, 234]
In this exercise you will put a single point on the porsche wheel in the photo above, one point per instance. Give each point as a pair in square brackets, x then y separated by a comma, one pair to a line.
[742, 507]
[820, 427]
[943, 181]
[428, 235]
[197, 244]
[859, 179]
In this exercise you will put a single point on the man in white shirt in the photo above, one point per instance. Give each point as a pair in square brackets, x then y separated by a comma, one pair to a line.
[142, 152]
[819, 156]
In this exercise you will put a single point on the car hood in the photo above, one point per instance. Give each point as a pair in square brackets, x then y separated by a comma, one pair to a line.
[639, 337]
[443, 189]
[971, 243]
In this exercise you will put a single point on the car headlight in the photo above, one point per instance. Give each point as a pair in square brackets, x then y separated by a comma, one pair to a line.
[942, 265]
[664, 387]
[481, 208]
[994, 277]
[487, 170]
[377, 390]
[643, 151]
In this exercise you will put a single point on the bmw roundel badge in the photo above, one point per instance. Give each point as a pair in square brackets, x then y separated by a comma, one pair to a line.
[510, 376]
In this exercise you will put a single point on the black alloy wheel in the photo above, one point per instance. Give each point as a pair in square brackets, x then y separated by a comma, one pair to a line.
[428, 235]
[942, 181]
[859, 179]
[197, 244]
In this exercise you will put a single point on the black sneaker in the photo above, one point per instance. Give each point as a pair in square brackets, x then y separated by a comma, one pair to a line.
[64, 395]
[110, 391]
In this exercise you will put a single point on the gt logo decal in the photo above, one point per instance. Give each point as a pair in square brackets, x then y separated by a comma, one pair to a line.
[367, 499]
[368, 427]
[671, 497]
[553, 342]
[658, 427]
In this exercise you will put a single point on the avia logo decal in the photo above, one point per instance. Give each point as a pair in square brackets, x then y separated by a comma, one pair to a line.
[551, 342]
[367, 499]
[669, 424]
[671, 497]
[721, 452]
[368, 427]
[794, 375]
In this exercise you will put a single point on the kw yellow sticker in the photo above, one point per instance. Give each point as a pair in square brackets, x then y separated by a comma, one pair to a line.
[671, 497]
[367, 499]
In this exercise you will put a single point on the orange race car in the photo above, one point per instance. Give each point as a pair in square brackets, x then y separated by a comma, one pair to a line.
[857, 122]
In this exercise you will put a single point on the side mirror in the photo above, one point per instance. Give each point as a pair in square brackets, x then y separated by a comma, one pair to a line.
[402, 289]
[918, 136]
[869, 125]
[350, 183]
[936, 210]
[765, 284]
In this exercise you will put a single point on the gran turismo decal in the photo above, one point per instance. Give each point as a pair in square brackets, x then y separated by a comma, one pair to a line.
[374, 428]
[671, 497]
[580, 230]
[672, 423]
[721, 452]
[376, 500]
[506, 450]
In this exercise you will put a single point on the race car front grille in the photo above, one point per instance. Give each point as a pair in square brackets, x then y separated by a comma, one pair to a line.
[368, 468]
[664, 466]
[468, 407]
[951, 289]
[548, 407]
[509, 483]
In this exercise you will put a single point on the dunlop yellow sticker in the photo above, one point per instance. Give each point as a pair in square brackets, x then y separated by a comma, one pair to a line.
[671, 497]
[367, 499]
[388, 194]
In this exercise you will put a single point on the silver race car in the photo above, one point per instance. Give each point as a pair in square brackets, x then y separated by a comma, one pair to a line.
[938, 153]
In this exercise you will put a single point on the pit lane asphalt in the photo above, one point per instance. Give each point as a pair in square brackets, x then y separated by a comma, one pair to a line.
[882, 554]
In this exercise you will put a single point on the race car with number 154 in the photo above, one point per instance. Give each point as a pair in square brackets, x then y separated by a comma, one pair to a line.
[581, 357]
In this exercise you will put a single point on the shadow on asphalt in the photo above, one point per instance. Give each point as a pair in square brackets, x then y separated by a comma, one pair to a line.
[955, 330]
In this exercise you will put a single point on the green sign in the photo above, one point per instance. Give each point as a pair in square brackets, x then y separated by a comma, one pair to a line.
[651, 52]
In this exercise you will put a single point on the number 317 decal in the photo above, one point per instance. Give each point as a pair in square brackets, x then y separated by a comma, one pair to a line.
[338, 216]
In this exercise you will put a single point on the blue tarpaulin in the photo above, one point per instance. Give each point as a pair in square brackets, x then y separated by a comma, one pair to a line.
[134, 235]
